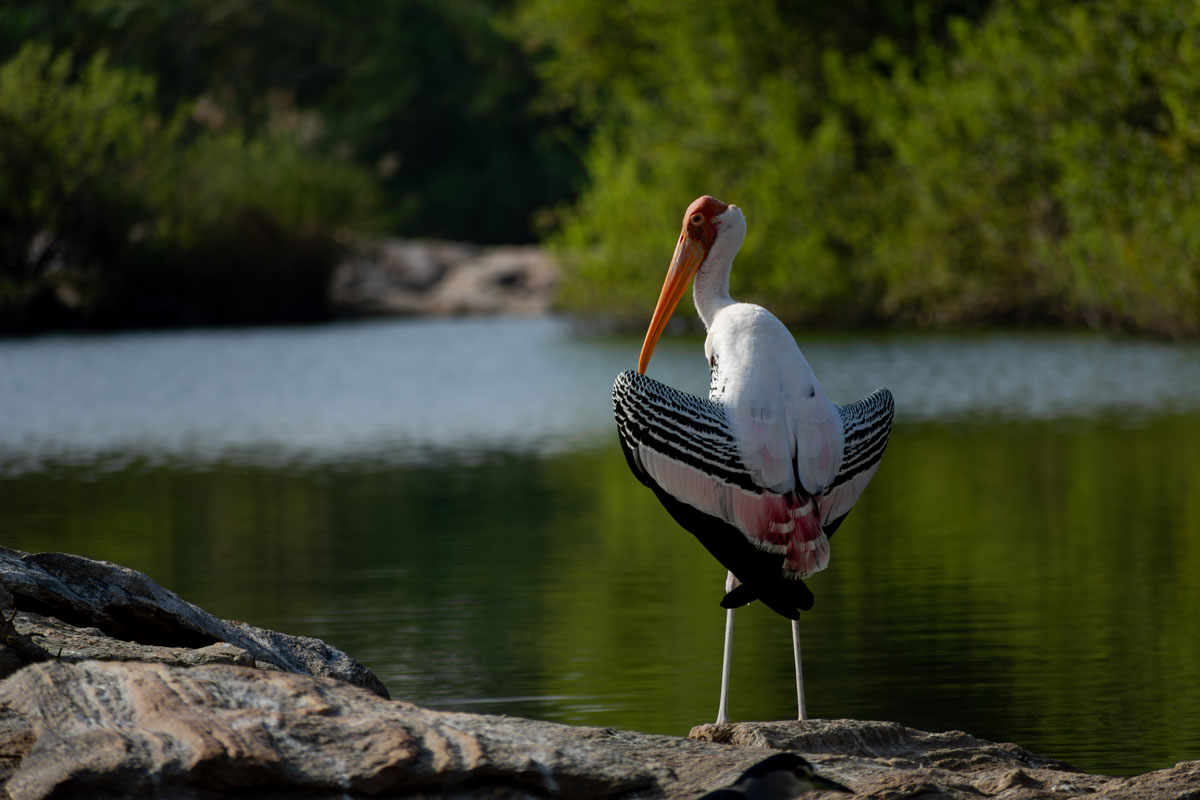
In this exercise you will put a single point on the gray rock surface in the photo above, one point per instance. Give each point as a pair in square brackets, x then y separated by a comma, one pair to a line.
[182, 732]
[397, 276]
[888, 760]
[67, 607]
[115, 687]
[87, 729]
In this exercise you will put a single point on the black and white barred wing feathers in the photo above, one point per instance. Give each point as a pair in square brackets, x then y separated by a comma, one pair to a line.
[685, 449]
[866, 425]
[682, 448]
[678, 441]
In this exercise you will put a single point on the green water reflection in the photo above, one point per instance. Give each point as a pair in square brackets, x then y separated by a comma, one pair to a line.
[1031, 582]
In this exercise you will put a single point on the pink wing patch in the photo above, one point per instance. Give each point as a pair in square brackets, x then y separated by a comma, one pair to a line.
[784, 523]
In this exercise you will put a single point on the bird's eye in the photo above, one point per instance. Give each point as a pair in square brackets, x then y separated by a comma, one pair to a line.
[697, 219]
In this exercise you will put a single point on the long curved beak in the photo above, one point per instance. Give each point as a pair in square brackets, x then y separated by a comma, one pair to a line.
[825, 785]
[689, 254]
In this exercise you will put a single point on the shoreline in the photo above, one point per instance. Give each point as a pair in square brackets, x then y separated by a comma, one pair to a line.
[391, 277]
[113, 684]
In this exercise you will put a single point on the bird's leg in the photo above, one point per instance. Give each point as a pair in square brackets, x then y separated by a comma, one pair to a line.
[723, 708]
[727, 656]
[799, 671]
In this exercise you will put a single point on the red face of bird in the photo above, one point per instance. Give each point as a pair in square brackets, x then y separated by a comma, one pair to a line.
[698, 234]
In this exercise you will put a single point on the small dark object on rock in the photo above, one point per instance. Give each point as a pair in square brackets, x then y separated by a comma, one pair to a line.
[780, 777]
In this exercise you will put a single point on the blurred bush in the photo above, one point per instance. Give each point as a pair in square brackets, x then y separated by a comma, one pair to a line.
[1037, 164]
[901, 162]
[433, 97]
[1048, 163]
[271, 123]
[112, 215]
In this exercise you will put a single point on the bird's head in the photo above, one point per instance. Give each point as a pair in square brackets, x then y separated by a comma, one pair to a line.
[783, 776]
[709, 227]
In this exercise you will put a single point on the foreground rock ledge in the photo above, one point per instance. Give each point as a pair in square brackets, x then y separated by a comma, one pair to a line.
[104, 729]
[116, 687]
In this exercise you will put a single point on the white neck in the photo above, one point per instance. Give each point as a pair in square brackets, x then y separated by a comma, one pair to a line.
[710, 291]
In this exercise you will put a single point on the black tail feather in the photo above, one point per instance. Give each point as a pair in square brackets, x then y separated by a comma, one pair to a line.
[738, 597]
[786, 597]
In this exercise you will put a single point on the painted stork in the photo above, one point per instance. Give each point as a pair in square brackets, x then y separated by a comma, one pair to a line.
[766, 469]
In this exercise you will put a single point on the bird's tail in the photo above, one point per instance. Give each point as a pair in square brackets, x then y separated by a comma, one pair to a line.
[785, 597]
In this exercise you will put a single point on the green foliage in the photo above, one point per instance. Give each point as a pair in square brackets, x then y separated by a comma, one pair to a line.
[218, 175]
[70, 151]
[1044, 171]
[723, 112]
[942, 162]
[110, 215]
[430, 96]
[1039, 165]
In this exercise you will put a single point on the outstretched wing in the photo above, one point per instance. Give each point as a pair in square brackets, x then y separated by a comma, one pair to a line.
[867, 424]
[684, 448]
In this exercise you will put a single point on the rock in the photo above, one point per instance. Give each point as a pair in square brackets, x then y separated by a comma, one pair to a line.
[51, 638]
[73, 608]
[948, 750]
[431, 277]
[888, 760]
[116, 687]
[98, 729]
[16, 740]
[515, 280]
[174, 732]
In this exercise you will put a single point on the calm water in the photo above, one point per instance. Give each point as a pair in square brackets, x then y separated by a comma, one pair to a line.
[446, 501]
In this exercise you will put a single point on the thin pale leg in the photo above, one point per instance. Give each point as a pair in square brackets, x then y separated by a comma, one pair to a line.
[799, 671]
[723, 709]
[727, 657]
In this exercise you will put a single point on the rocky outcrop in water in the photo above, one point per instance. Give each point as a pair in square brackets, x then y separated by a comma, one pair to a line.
[64, 607]
[116, 687]
[397, 276]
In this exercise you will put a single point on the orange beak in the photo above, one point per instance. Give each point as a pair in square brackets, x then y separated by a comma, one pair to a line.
[689, 254]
